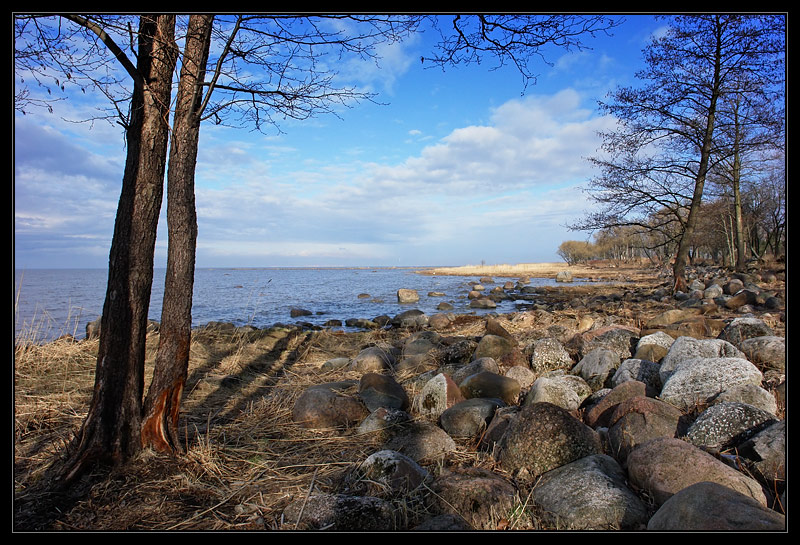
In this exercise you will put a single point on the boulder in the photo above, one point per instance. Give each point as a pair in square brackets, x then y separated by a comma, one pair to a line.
[664, 466]
[438, 394]
[590, 493]
[643, 371]
[710, 506]
[325, 406]
[548, 355]
[491, 385]
[766, 352]
[653, 347]
[523, 375]
[393, 471]
[407, 296]
[373, 359]
[339, 512]
[699, 380]
[413, 318]
[476, 494]
[599, 413]
[744, 328]
[377, 390]
[564, 276]
[685, 348]
[597, 367]
[504, 351]
[750, 394]
[543, 437]
[726, 425]
[566, 391]
[766, 452]
[470, 417]
[638, 420]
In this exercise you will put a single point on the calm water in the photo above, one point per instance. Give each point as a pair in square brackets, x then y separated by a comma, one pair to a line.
[52, 302]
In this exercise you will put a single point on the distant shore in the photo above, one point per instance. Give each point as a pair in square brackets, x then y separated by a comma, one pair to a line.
[594, 270]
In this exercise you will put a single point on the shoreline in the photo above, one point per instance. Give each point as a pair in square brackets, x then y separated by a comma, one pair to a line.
[598, 271]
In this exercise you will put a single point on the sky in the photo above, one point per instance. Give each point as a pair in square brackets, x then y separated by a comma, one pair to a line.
[454, 167]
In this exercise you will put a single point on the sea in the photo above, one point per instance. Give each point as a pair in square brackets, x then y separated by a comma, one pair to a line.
[49, 303]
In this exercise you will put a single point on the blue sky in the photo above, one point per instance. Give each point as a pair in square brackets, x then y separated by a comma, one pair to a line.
[457, 167]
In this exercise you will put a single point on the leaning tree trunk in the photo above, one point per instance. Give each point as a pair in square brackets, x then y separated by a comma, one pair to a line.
[111, 431]
[162, 405]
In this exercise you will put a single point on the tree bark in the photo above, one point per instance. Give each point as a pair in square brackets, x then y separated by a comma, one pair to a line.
[110, 434]
[162, 405]
[681, 257]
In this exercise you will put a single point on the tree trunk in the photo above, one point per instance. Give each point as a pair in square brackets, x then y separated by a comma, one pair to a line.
[679, 267]
[111, 430]
[162, 405]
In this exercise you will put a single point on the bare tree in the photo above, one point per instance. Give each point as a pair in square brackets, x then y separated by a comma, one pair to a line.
[287, 53]
[665, 145]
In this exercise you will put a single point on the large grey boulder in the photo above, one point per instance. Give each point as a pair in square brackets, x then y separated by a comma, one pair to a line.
[744, 328]
[566, 391]
[548, 355]
[644, 371]
[767, 352]
[686, 348]
[590, 493]
[699, 380]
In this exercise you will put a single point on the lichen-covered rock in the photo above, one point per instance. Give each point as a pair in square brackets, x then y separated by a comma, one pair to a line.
[767, 352]
[542, 437]
[393, 471]
[548, 355]
[699, 380]
[436, 395]
[727, 424]
[744, 328]
[566, 391]
[686, 348]
[590, 493]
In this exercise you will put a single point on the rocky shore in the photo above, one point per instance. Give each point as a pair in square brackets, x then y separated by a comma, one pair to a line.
[593, 407]
[670, 421]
